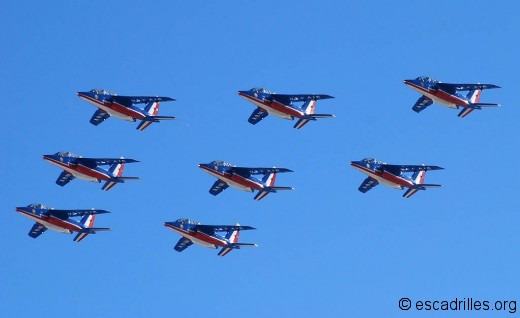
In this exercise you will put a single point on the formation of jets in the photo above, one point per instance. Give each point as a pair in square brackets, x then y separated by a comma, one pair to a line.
[287, 106]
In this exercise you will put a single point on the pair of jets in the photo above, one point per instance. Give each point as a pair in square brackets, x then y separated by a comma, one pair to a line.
[91, 169]
[63, 221]
[286, 106]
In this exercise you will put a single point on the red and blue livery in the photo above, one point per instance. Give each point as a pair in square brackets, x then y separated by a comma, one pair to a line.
[285, 106]
[448, 95]
[61, 220]
[208, 235]
[393, 176]
[242, 178]
[89, 169]
[123, 107]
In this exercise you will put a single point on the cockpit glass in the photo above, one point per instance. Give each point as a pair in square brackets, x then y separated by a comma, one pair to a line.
[187, 221]
[67, 154]
[102, 92]
[37, 206]
[221, 163]
[261, 90]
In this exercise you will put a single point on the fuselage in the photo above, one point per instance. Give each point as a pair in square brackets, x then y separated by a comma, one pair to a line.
[438, 95]
[384, 177]
[232, 179]
[51, 222]
[78, 170]
[273, 107]
[199, 238]
[113, 108]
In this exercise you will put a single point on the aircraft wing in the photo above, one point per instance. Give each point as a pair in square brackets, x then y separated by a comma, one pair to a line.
[464, 87]
[410, 168]
[130, 100]
[99, 117]
[367, 185]
[249, 171]
[37, 230]
[210, 229]
[218, 187]
[257, 115]
[64, 178]
[287, 98]
[63, 214]
[421, 104]
[182, 244]
[103, 161]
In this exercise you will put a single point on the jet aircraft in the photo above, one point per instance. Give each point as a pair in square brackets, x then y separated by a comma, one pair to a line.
[242, 178]
[123, 107]
[61, 220]
[393, 176]
[89, 169]
[207, 236]
[448, 95]
[283, 106]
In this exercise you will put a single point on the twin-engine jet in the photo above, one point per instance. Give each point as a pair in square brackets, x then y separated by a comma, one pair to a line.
[448, 95]
[89, 169]
[61, 220]
[123, 107]
[207, 236]
[393, 176]
[242, 178]
[283, 106]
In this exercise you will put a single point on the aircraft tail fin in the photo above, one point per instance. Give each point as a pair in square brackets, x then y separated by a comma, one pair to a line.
[88, 222]
[152, 109]
[309, 108]
[232, 237]
[418, 178]
[116, 170]
[474, 103]
[269, 180]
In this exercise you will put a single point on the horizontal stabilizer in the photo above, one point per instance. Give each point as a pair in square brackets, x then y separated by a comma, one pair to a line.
[280, 188]
[424, 186]
[239, 245]
[322, 116]
[158, 118]
[478, 105]
[100, 229]
[128, 178]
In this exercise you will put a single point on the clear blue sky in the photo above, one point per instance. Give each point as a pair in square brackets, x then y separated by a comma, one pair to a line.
[324, 249]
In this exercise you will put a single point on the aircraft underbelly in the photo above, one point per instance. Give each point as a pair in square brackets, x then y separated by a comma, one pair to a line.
[74, 172]
[271, 110]
[230, 182]
[48, 225]
[108, 110]
[116, 114]
[435, 99]
[195, 239]
[380, 179]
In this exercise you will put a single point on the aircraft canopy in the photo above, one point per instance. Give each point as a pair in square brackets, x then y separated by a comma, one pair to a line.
[67, 154]
[221, 163]
[426, 79]
[261, 90]
[102, 92]
[37, 206]
[187, 221]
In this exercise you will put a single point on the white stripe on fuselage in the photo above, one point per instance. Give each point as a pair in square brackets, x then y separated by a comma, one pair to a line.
[379, 179]
[76, 173]
[109, 111]
[232, 183]
[435, 99]
[48, 225]
[268, 109]
[195, 240]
